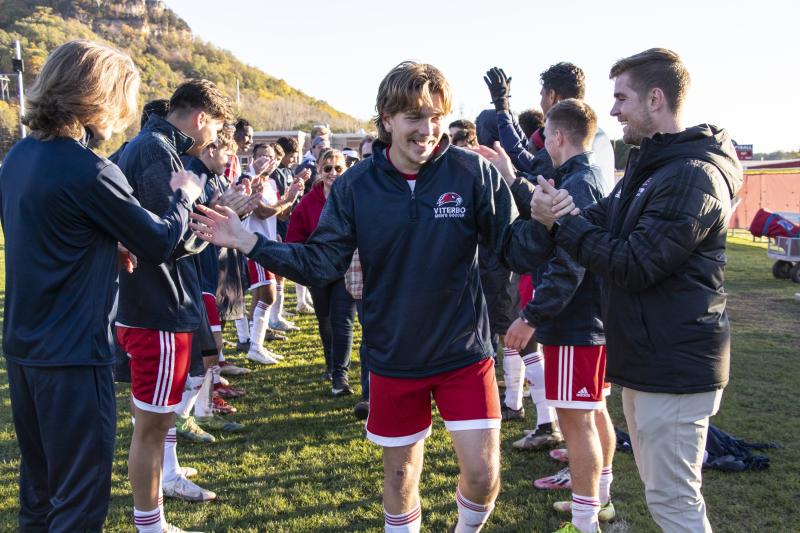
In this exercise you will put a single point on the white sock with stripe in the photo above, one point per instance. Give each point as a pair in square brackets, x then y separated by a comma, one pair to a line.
[584, 513]
[534, 373]
[148, 521]
[242, 329]
[260, 323]
[471, 516]
[203, 406]
[193, 384]
[171, 468]
[606, 477]
[408, 522]
[513, 374]
[276, 308]
[302, 295]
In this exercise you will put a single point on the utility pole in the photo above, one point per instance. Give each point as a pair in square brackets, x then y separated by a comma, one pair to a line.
[238, 100]
[19, 69]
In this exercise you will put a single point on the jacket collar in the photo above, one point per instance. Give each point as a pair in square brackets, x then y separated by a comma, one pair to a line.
[574, 163]
[176, 137]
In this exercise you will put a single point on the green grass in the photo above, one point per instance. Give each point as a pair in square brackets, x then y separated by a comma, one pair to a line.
[304, 464]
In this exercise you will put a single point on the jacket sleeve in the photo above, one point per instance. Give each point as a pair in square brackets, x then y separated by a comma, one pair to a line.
[678, 215]
[111, 205]
[562, 275]
[324, 258]
[495, 209]
[512, 142]
[297, 230]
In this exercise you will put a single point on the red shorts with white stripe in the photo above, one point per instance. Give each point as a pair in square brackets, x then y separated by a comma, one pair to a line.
[259, 276]
[159, 366]
[212, 311]
[574, 376]
[400, 408]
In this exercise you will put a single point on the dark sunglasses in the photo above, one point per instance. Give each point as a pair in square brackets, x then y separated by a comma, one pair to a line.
[328, 168]
[366, 156]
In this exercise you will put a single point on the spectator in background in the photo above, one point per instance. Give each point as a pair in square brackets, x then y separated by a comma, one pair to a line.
[243, 135]
[461, 124]
[465, 139]
[318, 145]
[365, 147]
[531, 120]
[351, 157]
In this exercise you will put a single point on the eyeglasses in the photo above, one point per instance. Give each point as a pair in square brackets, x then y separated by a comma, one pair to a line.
[364, 156]
[329, 168]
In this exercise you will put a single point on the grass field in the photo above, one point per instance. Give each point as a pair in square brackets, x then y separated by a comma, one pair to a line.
[304, 465]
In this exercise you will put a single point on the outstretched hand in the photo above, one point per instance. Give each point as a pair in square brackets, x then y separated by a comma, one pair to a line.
[222, 227]
[500, 159]
[548, 204]
[499, 87]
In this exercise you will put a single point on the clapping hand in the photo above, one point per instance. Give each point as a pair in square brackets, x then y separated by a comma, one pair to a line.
[548, 204]
[499, 158]
[222, 227]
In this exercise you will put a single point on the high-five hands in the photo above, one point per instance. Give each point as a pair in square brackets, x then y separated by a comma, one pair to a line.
[548, 204]
[222, 227]
[499, 158]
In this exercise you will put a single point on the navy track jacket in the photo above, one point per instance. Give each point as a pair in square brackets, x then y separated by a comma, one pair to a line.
[424, 310]
[63, 210]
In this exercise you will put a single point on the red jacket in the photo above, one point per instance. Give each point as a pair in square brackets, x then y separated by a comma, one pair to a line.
[305, 216]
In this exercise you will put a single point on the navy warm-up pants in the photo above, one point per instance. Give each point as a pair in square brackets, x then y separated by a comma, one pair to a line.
[65, 419]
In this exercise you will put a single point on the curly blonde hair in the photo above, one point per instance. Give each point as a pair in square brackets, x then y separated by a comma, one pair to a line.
[83, 83]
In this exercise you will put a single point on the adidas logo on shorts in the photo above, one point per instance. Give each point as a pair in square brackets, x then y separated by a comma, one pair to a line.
[583, 393]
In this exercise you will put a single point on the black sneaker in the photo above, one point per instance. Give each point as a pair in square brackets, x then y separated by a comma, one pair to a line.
[341, 386]
[508, 414]
[361, 410]
[327, 376]
[243, 346]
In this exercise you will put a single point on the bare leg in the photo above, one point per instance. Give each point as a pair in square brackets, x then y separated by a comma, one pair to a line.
[402, 467]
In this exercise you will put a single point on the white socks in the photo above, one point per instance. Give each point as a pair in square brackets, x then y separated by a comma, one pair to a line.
[171, 468]
[534, 373]
[513, 374]
[584, 513]
[203, 406]
[151, 521]
[260, 323]
[242, 329]
[277, 307]
[189, 397]
[471, 516]
[408, 522]
[606, 477]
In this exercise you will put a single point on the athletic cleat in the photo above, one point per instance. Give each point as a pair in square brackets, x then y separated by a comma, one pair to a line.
[539, 440]
[341, 386]
[327, 376]
[569, 527]
[187, 427]
[220, 406]
[305, 309]
[361, 410]
[186, 490]
[219, 423]
[259, 354]
[508, 414]
[228, 392]
[560, 480]
[560, 455]
[283, 325]
[272, 335]
[607, 512]
[188, 471]
[227, 369]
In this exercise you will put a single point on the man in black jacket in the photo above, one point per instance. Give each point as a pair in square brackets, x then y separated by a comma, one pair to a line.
[658, 243]
[64, 210]
[416, 211]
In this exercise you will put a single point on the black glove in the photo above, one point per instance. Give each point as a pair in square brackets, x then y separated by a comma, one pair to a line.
[499, 87]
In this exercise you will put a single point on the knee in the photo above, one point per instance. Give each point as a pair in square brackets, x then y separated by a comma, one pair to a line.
[401, 478]
[484, 480]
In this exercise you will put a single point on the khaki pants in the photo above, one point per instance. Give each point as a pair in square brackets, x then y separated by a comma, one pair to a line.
[668, 434]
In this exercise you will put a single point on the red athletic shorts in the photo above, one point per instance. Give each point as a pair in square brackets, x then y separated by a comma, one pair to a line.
[400, 408]
[212, 311]
[159, 366]
[259, 275]
[574, 376]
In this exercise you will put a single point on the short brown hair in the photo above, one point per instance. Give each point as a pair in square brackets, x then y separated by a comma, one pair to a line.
[82, 83]
[575, 119]
[202, 95]
[656, 68]
[409, 86]
[225, 140]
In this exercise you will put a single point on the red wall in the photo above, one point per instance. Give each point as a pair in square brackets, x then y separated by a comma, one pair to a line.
[772, 190]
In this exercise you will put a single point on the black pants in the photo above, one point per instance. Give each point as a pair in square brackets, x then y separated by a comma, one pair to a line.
[335, 310]
[363, 355]
[65, 419]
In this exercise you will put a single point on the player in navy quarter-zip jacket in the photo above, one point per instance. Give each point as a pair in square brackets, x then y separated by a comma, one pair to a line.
[416, 211]
[63, 210]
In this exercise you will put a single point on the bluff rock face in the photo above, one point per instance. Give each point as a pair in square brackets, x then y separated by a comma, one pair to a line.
[165, 51]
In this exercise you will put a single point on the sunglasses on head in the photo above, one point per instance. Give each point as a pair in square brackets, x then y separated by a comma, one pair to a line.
[329, 168]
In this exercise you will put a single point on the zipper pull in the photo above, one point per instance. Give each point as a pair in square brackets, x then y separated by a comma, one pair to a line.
[413, 206]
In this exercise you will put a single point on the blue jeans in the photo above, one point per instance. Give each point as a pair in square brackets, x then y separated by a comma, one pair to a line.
[335, 310]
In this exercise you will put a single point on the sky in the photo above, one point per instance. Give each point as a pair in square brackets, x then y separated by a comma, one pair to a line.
[742, 56]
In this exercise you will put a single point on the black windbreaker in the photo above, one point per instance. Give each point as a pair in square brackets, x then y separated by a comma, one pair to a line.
[424, 311]
[658, 242]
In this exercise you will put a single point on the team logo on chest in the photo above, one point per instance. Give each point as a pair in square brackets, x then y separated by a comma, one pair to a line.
[449, 205]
